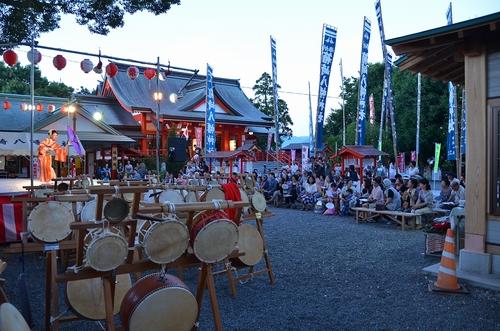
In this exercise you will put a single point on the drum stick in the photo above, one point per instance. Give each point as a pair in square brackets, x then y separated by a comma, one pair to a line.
[183, 207]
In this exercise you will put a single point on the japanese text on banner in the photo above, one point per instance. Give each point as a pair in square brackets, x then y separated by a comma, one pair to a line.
[210, 113]
[327, 52]
[363, 82]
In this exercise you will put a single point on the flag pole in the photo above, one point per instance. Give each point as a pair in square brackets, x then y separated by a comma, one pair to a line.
[342, 92]
[417, 144]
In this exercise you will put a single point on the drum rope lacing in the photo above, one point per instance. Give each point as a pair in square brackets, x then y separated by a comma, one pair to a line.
[217, 203]
[169, 206]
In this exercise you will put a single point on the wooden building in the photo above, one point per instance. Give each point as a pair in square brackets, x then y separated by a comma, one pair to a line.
[468, 54]
[360, 156]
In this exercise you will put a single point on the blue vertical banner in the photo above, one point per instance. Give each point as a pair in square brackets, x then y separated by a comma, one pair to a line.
[451, 139]
[327, 50]
[385, 112]
[363, 83]
[450, 142]
[275, 93]
[210, 113]
[463, 134]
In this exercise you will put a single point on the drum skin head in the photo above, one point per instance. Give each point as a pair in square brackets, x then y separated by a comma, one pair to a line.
[172, 196]
[50, 221]
[165, 242]
[106, 252]
[11, 319]
[259, 202]
[215, 241]
[116, 210]
[244, 198]
[86, 296]
[157, 305]
[250, 242]
[88, 211]
[215, 194]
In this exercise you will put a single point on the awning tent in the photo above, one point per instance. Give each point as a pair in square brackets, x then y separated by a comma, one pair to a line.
[18, 143]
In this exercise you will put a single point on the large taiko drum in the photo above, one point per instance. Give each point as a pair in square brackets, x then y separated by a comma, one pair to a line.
[89, 209]
[86, 296]
[163, 242]
[50, 221]
[249, 242]
[158, 302]
[11, 319]
[258, 202]
[213, 236]
[105, 249]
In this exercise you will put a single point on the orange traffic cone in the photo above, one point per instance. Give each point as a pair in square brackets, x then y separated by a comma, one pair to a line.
[447, 275]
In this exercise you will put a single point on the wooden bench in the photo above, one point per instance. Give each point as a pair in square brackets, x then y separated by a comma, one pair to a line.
[400, 217]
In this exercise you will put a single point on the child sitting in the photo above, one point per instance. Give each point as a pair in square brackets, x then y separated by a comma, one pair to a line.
[347, 201]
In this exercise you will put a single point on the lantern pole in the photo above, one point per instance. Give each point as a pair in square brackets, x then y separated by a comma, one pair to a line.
[158, 117]
[32, 115]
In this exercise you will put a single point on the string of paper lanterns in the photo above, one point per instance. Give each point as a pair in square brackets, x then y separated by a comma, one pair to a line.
[11, 59]
[24, 106]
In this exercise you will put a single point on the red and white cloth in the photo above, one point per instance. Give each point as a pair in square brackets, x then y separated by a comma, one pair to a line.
[11, 220]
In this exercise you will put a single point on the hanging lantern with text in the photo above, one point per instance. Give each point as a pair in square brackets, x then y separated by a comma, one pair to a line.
[111, 70]
[150, 73]
[37, 56]
[6, 104]
[59, 62]
[132, 72]
[51, 108]
[39, 107]
[10, 57]
[86, 66]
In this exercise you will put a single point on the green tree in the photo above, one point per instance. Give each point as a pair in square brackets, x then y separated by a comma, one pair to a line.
[433, 117]
[22, 20]
[264, 101]
[17, 80]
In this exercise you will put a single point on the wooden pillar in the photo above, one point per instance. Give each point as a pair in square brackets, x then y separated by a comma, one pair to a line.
[225, 138]
[477, 147]
[164, 141]
[361, 170]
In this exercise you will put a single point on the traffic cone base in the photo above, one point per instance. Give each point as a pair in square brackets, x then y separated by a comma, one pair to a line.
[461, 289]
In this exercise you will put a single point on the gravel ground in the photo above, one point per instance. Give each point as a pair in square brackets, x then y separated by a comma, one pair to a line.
[332, 274]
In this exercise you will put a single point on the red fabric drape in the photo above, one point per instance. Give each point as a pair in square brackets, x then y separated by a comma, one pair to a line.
[231, 192]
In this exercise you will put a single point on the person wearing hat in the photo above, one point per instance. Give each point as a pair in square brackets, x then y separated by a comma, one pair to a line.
[393, 197]
[48, 148]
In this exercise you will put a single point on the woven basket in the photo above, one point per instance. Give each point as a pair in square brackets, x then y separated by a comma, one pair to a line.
[434, 243]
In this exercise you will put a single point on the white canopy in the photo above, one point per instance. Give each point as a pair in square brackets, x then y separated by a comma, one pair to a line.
[18, 143]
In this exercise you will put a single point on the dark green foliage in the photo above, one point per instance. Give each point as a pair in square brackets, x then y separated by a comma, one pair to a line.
[22, 20]
[264, 101]
[433, 117]
[17, 80]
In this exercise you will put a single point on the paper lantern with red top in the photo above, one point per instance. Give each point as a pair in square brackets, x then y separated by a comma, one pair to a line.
[6, 104]
[38, 56]
[132, 72]
[39, 107]
[59, 62]
[86, 66]
[23, 106]
[149, 73]
[10, 57]
[51, 108]
[111, 70]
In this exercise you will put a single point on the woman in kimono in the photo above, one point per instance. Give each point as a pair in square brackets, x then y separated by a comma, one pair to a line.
[48, 148]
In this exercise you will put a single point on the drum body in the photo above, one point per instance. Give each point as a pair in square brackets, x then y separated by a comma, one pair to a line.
[158, 302]
[163, 242]
[213, 236]
[86, 296]
[105, 249]
[50, 221]
[249, 242]
[11, 319]
[244, 198]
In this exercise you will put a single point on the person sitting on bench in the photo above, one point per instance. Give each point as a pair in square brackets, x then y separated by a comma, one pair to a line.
[425, 201]
[393, 198]
[377, 195]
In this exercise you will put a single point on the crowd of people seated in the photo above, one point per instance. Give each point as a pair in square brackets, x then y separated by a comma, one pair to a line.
[293, 188]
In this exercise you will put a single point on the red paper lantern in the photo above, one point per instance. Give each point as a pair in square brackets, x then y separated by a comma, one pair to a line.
[10, 57]
[39, 107]
[38, 56]
[86, 66]
[132, 72]
[51, 108]
[149, 73]
[59, 62]
[6, 104]
[111, 70]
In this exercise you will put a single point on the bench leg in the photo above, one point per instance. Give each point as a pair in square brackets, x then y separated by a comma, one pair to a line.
[403, 221]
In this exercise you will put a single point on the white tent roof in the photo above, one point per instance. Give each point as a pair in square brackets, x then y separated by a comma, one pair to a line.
[18, 143]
